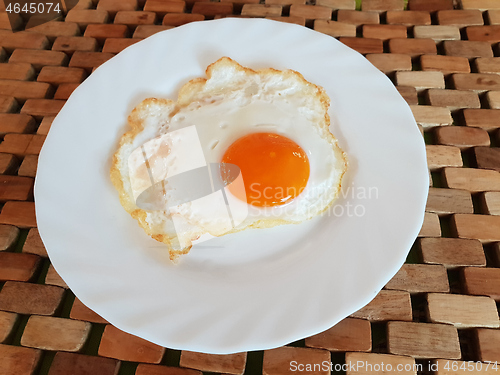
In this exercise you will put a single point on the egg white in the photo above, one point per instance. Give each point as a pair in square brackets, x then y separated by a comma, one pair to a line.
[234, 101]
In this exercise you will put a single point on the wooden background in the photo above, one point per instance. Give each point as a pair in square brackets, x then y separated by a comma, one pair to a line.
[444, 58]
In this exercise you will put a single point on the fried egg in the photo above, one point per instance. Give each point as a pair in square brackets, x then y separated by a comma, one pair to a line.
[240, 149]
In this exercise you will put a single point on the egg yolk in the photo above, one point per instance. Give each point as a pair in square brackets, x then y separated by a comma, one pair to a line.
[274, 168]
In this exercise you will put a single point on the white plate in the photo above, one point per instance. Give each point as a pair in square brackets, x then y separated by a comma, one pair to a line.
[253, 290]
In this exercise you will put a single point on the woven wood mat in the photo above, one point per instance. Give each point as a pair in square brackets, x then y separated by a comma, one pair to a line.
[438, 315]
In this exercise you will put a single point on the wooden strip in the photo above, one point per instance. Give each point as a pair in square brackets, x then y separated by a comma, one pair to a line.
[14, 188]
[334, 28]
[212, 9]
[120, 345]
[18, 266]
[44, 127]
[373, 363]
[49, 333]
[21, 144]
[36, 298]
[413, 47]
[238, 5]
[437, 32]
[8, 104]
[408, 17]
[23, 90]
[467, 48]
[261, 10]
[114, 6]
[102, 31]
[7, 323]
[17, 71]
[70, 44]
[486, 119]
[485, 228]
[478, 82]
[471, 179]
[452, 252]
[148, 369]
[84, 17]
[16, 144]
[294, 2]
[482, 282]
[8, 237]
[79, 364]
[445, 64]
[285, 359]
[384, 32]
[20, 214]
[428, 116]
[430, 5]
[487, 158]
[178, 19]
[42, 107]
[89, 60]
[480, 4]
[22, 39]
[310, 12]
[35, 145]
[363, 45]
[53, 278]
[8, 164]
[58, 74]
[409, 94]
[39, 59]
[420, 278]
[484, 33]
[493, 16]
[382, 5]
[347, 335]
[10, 359]
[440, 156]
[10, 21]
[335, 4]
[16, 123]
[161, 7]
[28, 166]
[449, 201]
[81, 312]
[387, 305]
[296, 20]
[490, 202]
[493, 98]
[390, 62]
[460, 18]
[85, 4]
[453, 99]
[488, 341]
[54, 29]
[229, 364]
[116, 45]
[64, 90]
[423, 340]
[356, 17]
[462, 311]
[145, 31]
[483, 118]
[134, 18]
[34, 244]
[420, 80]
